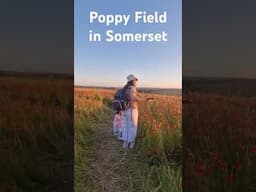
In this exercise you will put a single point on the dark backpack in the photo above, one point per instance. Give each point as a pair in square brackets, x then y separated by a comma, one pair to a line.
[121, 99]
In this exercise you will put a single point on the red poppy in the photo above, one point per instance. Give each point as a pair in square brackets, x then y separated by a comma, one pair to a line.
[222, 165]
[200, 169]
[237, 166]
[253, 149]
[214, 156]
[230, 179]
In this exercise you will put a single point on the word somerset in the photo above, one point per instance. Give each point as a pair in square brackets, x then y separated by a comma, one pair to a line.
[139, 19]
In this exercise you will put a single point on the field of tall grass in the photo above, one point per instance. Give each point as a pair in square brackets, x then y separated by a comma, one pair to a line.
[36, 134]
[90, 106]
[219, 143]
[158, 142]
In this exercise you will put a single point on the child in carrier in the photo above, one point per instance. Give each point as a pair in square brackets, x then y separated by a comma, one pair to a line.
[117, 125]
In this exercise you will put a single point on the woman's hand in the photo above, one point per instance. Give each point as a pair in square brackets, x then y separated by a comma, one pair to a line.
[149, 99]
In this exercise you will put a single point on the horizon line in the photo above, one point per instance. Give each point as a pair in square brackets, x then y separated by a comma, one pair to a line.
[140, 87]
[216, 77]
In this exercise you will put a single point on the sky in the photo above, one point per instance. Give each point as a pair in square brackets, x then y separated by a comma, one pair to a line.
[219, 38]
[156, 64]
[37, 36]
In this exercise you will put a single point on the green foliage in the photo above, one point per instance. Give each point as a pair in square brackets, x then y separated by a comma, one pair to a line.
[84, 139]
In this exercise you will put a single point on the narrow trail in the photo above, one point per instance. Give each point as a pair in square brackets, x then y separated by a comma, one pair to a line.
[114, 169]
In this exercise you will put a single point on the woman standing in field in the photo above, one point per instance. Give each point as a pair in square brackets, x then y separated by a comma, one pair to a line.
[130, 115]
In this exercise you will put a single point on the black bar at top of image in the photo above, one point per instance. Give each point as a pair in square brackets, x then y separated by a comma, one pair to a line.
[219, 96]
[36, 95]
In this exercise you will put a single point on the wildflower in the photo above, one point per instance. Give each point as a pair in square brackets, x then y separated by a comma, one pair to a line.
[214, 156]
[253, 149]
[237, 166]
[222, 165]
[230, 179]
[200, 169]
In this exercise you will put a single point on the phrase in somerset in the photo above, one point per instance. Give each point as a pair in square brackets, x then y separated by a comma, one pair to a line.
[139, 17]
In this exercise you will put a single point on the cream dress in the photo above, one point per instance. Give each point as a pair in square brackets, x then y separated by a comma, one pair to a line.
[130, 118]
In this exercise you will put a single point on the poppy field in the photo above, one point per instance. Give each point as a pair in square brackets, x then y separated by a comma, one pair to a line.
[36, 134]
[158, 147]
[219, 142]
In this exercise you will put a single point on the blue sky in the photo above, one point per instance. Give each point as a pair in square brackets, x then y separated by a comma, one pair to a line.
[156, 64]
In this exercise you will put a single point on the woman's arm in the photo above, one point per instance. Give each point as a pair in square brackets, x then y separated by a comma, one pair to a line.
[136, 97]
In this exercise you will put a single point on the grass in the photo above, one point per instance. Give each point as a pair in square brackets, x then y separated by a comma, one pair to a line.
[84, 139]
[219, 145]
[36, 134]
[89, 112]
[155, 164]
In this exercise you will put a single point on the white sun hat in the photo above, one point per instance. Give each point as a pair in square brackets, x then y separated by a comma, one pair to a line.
[131, 77]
